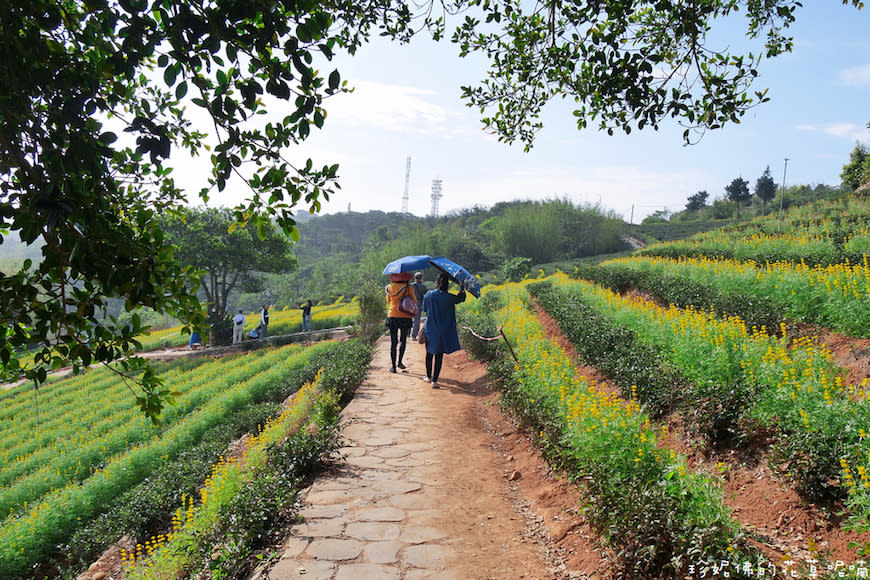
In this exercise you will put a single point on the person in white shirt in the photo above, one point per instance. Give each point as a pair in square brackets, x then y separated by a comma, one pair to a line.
[238, 325]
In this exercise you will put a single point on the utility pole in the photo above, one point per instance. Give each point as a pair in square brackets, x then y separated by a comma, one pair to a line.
[782, 195]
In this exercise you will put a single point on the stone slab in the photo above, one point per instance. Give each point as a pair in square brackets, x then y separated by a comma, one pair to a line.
[366, 572]
[381, 514]
[290, 569]
[334, 549]
[373, 531]
[382, 552]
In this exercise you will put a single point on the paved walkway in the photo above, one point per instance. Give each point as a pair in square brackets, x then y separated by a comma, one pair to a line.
[393, 508]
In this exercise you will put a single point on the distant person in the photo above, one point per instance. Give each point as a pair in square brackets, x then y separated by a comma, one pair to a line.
[195, 340]
[306, 315]
[398, 322]
[238, 327]
[419, 292]
[440, 328]
[264, 322]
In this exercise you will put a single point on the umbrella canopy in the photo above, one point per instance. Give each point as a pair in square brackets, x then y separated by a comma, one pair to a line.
[458, 274]
[407, 264]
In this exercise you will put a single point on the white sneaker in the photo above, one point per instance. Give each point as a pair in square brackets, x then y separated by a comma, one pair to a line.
[435, 385]
[427, 380]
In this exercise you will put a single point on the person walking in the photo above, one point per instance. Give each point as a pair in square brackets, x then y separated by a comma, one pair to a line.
[419, 292]
[238, 327]
[442, 337]
[264, 322]
[306, 315]
[398, 321]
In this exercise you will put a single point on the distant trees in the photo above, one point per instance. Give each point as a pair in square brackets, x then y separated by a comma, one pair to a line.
[857, 172]
[697, 201]
[765, 189]
[232, 258]
[738, 192]
[659, 216]
[480, 239]
[553, 230]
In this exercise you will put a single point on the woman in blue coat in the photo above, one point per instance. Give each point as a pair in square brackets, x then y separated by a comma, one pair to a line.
[441, 334]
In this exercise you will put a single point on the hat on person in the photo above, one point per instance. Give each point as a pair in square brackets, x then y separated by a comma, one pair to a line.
[400, 277]
[418, 275]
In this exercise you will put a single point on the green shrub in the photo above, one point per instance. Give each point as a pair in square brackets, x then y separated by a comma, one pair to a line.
[517, 268]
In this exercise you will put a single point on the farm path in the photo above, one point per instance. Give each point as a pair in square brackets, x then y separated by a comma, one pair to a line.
[435, 484]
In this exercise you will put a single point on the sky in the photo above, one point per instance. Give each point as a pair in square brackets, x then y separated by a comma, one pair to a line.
[407, 103]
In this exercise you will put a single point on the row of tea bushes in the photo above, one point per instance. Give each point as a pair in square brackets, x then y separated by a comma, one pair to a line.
[244, 497]
[659, 516]
[760, 381]
[835, 296]
[147, 509]
[822, 233]
[121, 449]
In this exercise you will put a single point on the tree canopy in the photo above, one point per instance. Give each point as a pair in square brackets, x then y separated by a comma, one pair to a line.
[73, 71]
[697, 201]
[857, 171]
[738, 192]
[230, 257]
[97, 95]
[765, 188]
[626, 64]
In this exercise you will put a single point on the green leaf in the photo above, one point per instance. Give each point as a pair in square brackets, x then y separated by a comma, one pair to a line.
[181, 90]
[169, 75]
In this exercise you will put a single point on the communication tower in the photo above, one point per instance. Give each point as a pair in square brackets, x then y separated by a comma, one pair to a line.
[407, 179]
[436, 195]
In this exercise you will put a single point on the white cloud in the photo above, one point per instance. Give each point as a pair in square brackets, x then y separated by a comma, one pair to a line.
[849, 131]
[394, 108]
[858, 76]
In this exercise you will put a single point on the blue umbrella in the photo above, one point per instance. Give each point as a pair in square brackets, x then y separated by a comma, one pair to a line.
[458, 274]
[407, 264]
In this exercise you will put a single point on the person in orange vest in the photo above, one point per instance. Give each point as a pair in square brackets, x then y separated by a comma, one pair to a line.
[398, 320]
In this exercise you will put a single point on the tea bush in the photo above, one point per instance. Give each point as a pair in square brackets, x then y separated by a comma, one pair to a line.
[753, 382]
[614, 350]
[244, 498]
[652, 511]
[683, 292]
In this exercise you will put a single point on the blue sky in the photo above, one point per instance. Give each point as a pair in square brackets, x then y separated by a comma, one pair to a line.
[407, 104]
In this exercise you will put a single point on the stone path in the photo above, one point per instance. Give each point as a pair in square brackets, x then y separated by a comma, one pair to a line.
[407, 501]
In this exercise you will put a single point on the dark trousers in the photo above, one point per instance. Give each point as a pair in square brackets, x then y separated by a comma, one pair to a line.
[399, 329]
[431, 372]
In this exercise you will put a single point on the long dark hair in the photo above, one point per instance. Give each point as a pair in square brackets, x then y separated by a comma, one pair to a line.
[442, 282]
